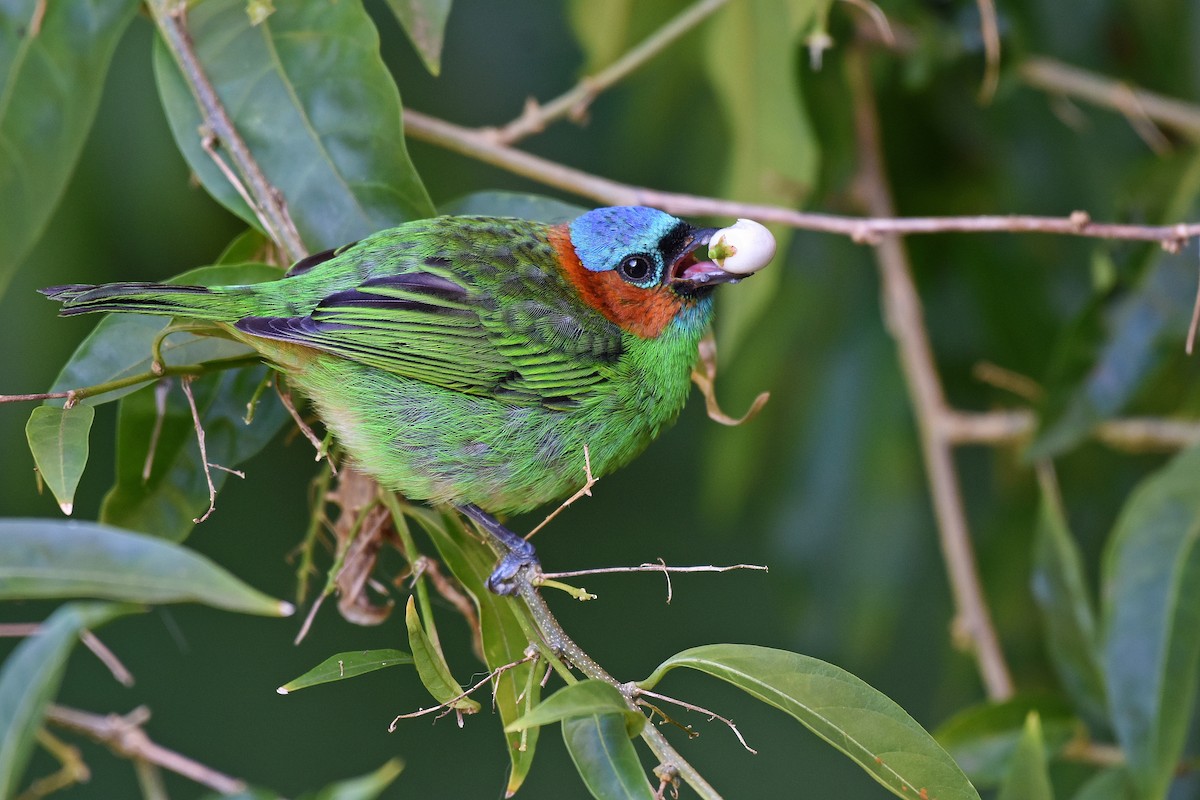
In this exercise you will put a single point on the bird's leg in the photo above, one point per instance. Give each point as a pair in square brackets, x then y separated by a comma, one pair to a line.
[516, 553]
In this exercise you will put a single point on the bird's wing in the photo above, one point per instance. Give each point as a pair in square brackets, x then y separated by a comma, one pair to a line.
[436, 327]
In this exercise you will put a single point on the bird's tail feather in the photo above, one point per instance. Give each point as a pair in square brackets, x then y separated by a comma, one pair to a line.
[199, 302]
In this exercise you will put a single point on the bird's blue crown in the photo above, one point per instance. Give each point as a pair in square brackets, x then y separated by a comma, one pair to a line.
[603, 237]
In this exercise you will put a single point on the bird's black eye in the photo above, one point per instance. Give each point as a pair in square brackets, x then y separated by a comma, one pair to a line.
[637, 269]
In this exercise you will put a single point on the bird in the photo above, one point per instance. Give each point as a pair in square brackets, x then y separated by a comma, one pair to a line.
[468, 361]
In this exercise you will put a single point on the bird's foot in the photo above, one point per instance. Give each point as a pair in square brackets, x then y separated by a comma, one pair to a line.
[517, 554]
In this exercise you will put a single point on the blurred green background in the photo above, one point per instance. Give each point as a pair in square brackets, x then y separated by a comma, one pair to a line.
[826, 486]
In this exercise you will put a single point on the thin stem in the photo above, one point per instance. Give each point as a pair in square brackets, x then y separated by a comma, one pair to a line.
[73, 396]
[1130, 434]
[902, 307]
[865, 230]
[574, 102]
[562, 646]
[171, 18]
[1055, 77]
[125, 737]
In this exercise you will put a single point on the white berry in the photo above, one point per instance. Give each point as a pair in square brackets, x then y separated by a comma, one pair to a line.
[743, 248]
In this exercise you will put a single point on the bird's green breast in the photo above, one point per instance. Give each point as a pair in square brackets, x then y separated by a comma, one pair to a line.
[444, 446]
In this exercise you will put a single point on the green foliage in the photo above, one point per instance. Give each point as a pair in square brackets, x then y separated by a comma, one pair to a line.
[825, 486]
[42, 558]
[30, 677]
[58, 439]
[341, 666]
[53, 59]
[856, 719]
[1151, 648]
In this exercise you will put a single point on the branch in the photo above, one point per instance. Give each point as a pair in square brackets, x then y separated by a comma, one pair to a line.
[1055, 77]
[902, 308]
[125, 737]
[574, 103]
[864, 230]
[73, 396]
[268, 204]
[1131, 434]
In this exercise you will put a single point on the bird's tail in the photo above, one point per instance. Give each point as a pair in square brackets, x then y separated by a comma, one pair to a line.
[215, 304]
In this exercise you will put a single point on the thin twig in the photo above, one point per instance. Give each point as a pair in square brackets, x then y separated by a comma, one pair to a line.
[574, 102]
[171, 18]
[989, 30]
[285, 397]
[1191, 334]
[1055, 77]
[107, 657]
[72, 769]
[585, 490]
[648, 567]
[72, 396]
[186, 385]
[160, 413]
[449, 704]
[864, 230]
[1129, 434]
[638, 692]
[904, 318]
[125, 737]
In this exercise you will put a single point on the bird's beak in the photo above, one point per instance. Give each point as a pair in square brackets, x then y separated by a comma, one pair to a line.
[690, 274]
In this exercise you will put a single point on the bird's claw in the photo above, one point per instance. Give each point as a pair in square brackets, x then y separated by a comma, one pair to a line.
[503, 580]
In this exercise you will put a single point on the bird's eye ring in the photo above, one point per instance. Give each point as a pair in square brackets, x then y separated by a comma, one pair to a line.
[637, 269]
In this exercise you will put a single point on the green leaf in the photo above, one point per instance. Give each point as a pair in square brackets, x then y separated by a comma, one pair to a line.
[311, 97]
[604, 756]
[425, 23]
[432, 666]
[167, 502]
[857, 720]
[346, 665]
[120, 346]
[1151, 620]
[1068, 619]
[53, 59]
[58, 439]
[1109, 784]
[1027, 777]
[514, 204]
[582, 699]
[30, 677]
[982, 739]
[367, 787]
[503, 626]
[250, 246]
[49, 558]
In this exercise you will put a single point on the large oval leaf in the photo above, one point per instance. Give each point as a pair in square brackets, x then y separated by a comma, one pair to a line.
[1151, 645]
[604, 756]
[44, 558]
[31, 676]
[861, 722]
[310, 95]
[53, 59]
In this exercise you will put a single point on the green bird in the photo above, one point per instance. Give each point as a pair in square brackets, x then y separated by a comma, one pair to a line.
[468, 361]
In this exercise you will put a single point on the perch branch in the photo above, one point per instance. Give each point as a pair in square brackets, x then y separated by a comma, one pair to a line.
[902, 309]
[574, 103]
[866, 230]
[125, 737]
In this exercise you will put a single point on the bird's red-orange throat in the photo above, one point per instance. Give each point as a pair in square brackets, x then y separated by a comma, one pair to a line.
[635, 310]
